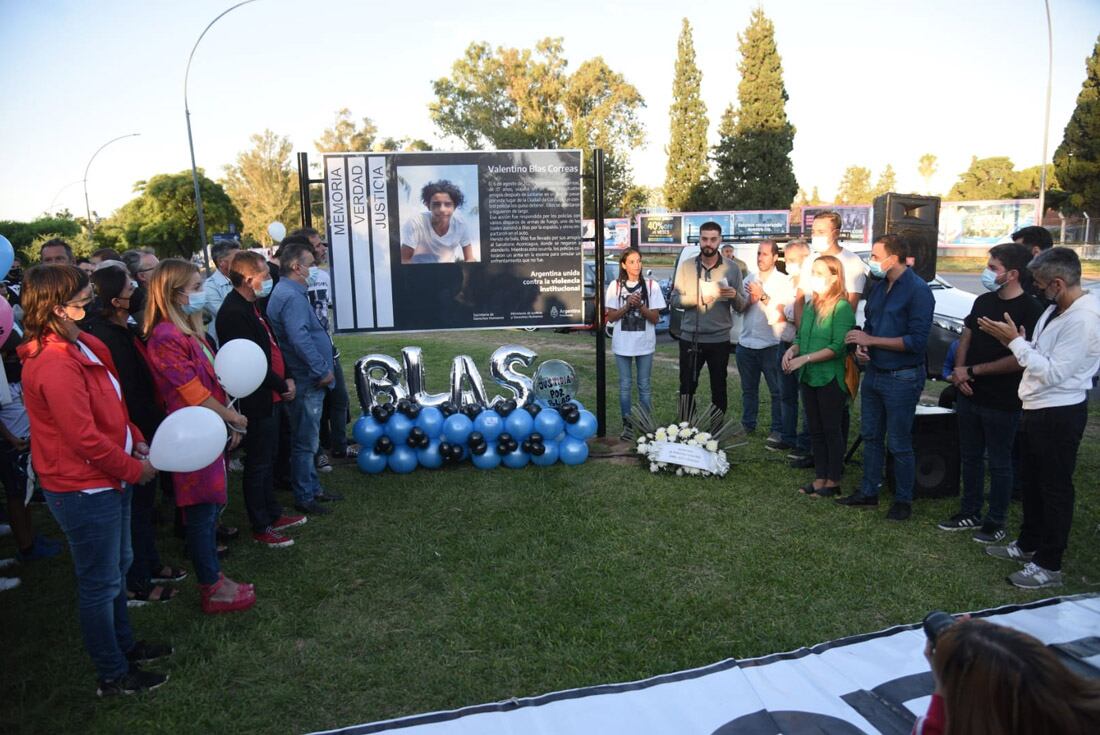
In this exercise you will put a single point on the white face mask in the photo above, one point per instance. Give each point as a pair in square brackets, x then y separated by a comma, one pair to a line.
[818, 285]
[819, 243]
[793, 269]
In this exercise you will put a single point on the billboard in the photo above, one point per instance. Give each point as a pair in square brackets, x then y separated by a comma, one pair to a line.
[475, 240]
[764, 223]
[616, 233]
[984, 222]
[660, 229]
[682, 228]
[855, 221]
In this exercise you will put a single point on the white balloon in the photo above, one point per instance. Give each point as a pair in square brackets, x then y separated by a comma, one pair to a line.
[187, 440]
[240, 366]
[277, 230]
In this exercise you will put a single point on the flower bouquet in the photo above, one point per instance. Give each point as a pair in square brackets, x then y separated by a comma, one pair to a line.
[694, 446]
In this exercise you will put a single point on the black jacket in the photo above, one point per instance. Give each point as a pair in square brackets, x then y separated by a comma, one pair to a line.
[237, 320]
[138, 389]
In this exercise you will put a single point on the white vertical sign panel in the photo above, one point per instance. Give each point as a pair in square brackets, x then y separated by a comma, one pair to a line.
[380, 232]
[360, 270]
[339, 232]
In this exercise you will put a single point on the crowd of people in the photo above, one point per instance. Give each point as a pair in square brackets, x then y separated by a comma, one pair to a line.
[1022, 369]
[102, 352]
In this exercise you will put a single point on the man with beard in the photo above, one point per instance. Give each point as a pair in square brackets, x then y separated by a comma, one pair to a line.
[705, 290]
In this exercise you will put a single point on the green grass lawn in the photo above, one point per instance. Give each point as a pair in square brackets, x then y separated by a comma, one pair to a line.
[441, 589]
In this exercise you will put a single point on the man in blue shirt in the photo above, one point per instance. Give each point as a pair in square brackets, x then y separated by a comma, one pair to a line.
[307, 351]
[892, 343]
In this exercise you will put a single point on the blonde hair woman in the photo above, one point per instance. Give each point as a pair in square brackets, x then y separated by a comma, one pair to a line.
[819, 354]
[183, 369]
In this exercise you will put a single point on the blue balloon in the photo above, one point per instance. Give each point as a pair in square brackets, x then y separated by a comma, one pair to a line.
[584, 428]
[429, 456]
[547, 458]
[403, 459]
[457, 428]
[488, 460]
[517, 459]
[7, 256]
[398, 428]
[573, 451]
[430, 421]
[519, 424]
[367, 431]
[371, 462]
[549, 422]
[490, 424]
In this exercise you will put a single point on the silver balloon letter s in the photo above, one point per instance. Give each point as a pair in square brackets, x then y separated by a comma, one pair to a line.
[502, 368]
[375, 376]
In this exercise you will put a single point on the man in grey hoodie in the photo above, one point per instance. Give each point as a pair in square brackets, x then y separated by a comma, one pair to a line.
[706, 288]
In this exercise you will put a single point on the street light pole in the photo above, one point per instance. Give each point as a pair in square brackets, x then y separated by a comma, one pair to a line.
[1046, 120]
[87, 207]
[191, 142]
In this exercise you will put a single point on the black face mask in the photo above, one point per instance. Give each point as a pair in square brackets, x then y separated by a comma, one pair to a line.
[15, 275]
[137, 300]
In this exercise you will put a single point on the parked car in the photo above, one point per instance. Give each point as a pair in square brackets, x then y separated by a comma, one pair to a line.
[952, 307]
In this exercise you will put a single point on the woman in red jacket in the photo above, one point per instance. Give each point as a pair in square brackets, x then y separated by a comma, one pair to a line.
[87, 453]
[182, 364]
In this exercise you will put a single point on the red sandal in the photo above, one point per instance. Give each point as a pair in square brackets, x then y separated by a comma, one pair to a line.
[245, 598]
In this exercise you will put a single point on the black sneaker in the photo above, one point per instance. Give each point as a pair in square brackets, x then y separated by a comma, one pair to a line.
[327, 497]
[859, 500]
[990, 534]
[132, 682]
[899, 511]
[312, 508]
[773, 444]
[144, 651]
[960, 522]
[801, 461]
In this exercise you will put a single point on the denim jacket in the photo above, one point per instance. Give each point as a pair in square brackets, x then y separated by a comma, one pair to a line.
[306, 346]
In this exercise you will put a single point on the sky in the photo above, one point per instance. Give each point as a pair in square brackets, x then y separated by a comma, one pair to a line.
[871, 82]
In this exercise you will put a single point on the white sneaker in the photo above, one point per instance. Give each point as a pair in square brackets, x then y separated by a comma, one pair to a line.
[235, 465]
[9, 583]
[1034, 577]
[9, 562]
[5, 529]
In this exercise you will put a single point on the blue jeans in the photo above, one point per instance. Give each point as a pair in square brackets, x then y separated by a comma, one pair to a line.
[202, 541]
[986, 433]
[750, 364]
[888, 403]
[98, 530]
[789, 390]
[305, 436]
[645, 392]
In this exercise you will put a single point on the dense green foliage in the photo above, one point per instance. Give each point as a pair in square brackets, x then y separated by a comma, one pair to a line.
[687, 167]
[1077, 159]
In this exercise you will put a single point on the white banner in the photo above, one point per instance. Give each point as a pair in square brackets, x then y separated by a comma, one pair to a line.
[872, 683]
[685, 456]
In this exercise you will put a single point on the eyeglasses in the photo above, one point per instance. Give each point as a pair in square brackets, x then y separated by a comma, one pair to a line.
[79, 304]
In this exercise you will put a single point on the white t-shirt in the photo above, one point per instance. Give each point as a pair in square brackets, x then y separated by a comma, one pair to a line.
[118, 389]
[429, 247]
[14, 414]
[855, 271]
[633, 335]
[762, 325]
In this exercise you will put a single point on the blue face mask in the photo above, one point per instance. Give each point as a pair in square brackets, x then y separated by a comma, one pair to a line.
[265, 289]
[989, 280]
[876, 268]
[313, 273]
[195, 301]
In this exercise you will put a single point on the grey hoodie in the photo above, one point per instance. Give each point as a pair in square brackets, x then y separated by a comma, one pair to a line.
[710, 322]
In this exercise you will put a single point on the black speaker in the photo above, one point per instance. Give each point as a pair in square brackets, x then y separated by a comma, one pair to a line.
[917, 219]
[936, 446]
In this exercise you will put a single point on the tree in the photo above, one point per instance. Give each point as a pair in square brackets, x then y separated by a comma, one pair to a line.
[815, 198]
[1077, 159]
[855, 186]
[264, 186]
[926, 167]
[24, 235]
[345, 137]
[887, 181]
[687, 145]
[163, 215]
[987, 178]
[753, 168]
[519, 98]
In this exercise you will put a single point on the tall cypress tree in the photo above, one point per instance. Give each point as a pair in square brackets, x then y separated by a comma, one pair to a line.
[1077, 160]
[753, 156]
[686, 169]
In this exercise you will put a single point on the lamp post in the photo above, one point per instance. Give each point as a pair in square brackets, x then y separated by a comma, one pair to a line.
[87, 207]
[190, 140]
[1046, 120]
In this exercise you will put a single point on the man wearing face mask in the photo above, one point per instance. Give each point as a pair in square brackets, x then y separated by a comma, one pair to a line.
[1059, 361]
[893, 344]
[218, 285]
[307, 351]
[1036, 239]
[239, 318]
[987, 377]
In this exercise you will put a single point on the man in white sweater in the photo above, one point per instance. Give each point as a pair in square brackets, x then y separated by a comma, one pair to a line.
[1059, 363]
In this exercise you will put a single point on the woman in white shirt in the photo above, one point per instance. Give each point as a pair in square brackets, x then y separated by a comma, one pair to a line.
[633, 305]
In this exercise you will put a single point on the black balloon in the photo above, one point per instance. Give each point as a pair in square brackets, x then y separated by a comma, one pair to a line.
[379, 413]
[533, 409]
[526, 445]
[384, 445]
[538, 449]
[413, 411]
[471, 410]
[480, 448]
[447, 409]
[403, 405]
[506, 407]
[476, 437]
[456, 452]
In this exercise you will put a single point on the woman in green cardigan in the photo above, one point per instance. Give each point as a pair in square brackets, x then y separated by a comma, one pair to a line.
[820, 353]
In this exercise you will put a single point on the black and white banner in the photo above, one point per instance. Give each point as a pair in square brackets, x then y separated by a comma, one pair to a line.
[472, 240]
[871, 683]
